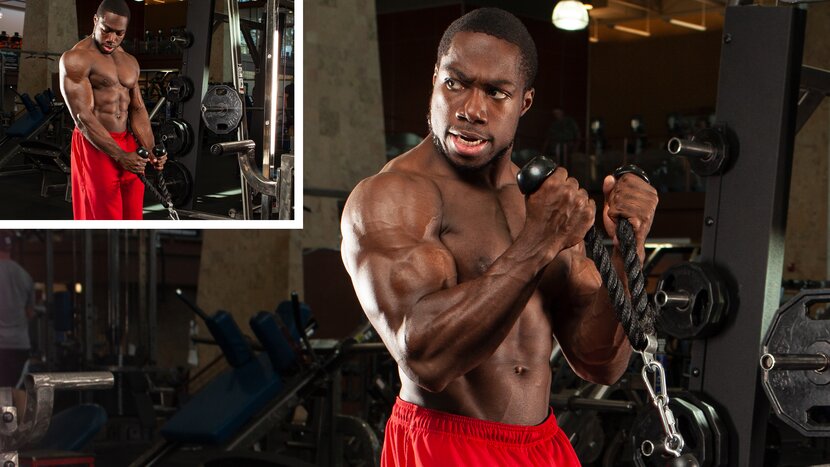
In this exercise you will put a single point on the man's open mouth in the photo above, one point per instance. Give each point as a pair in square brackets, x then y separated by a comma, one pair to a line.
[467, 139]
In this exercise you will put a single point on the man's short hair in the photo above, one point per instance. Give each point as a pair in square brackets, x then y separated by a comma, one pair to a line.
[500, 24]
[119, 7]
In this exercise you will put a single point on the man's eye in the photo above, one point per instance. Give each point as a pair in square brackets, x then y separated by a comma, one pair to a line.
[497, 94]
[452, 84]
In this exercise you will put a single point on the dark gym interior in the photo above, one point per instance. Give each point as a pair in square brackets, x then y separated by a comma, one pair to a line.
[214, 347]
[186, 64]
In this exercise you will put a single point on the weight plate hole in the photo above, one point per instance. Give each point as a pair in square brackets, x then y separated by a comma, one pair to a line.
[701, 303]
[819, 415]
[818, 311]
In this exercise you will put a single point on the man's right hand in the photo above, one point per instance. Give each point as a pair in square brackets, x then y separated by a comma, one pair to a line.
[132, 162]
[559, 213]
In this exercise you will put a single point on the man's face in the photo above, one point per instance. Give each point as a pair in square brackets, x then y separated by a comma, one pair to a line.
[478, 95]
[109, 31]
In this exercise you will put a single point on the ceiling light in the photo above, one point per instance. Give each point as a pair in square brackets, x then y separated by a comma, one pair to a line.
[638, 32]
[695, 26]
[686, 24]
[570, 15]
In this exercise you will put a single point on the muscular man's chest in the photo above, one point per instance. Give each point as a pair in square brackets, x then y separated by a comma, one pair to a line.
[478, 226]
[111, 72]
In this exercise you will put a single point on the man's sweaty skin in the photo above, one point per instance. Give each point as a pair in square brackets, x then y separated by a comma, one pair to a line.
[100, 82]
[467, 281]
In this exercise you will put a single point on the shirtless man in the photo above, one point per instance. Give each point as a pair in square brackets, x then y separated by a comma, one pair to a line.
[99, 82]
[467, 281]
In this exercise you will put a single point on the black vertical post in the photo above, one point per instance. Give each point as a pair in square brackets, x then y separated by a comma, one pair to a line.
[196, 66]
[745, 213]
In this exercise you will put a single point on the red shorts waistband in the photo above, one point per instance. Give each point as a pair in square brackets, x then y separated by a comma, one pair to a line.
[114, 134]
[420, 418]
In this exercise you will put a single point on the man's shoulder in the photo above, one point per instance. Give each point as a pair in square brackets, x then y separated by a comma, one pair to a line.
[77, 57]
[13, 267]
[394, 182]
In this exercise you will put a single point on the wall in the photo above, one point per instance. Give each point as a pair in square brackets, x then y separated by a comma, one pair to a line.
[653, 77]
[244, 272]
[806, 241]
[343, 119]
[12, 21]
[50, 27]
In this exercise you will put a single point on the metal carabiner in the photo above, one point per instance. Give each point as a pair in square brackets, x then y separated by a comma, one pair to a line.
[673, 441]
[171, 211]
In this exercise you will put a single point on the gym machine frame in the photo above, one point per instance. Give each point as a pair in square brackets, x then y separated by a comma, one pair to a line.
[746, 209]
[276, 179]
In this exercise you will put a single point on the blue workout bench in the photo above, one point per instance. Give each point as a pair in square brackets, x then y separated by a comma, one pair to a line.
[225, 404]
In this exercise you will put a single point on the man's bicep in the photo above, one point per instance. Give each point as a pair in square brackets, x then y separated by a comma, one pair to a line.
[75, 84]
[393, 279]
[392, 248]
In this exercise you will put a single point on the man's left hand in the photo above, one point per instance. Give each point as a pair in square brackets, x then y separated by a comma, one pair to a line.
[628, 197]
[158, 162]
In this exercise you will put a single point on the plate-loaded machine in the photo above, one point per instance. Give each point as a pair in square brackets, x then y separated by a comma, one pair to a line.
[223, 111]
[19, 431]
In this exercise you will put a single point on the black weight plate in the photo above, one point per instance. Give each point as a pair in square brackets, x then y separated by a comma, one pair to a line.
[708, 301]
[179, 89]
[720, 434]
[177, 137]
[691, 423]
[588, 439]
[710, 166]
[179, 182]
[800, 398]
[222, 109]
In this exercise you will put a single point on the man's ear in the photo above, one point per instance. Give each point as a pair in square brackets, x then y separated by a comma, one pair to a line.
[527, 100]
[434, 74]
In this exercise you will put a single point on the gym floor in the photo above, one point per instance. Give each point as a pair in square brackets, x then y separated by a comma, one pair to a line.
[217, 192]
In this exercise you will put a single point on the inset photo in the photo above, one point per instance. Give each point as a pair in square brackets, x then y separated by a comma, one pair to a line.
[148, 110]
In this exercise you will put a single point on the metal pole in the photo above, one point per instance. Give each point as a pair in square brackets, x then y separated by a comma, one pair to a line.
[49, 331]
[89, 307]
[143, 290]
[152, 301]
[113, 309]
[239, 83]
[269, 136]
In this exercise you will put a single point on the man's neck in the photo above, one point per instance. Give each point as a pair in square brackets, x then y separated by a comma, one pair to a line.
[491, 175]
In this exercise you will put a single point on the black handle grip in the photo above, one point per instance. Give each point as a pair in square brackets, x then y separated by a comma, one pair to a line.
[631, 169]
[534, 173]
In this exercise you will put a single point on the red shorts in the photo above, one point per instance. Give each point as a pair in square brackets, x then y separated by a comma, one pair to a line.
[416, 436]
[101, 188]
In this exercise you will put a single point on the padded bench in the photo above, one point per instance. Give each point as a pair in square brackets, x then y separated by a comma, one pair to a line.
[225, 404]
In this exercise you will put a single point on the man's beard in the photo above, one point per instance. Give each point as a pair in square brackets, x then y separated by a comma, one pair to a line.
[101, 48]
[439, 146]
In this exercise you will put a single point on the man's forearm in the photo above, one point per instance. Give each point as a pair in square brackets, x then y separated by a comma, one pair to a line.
[143, 131]
[587, 327]
[452, 331]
